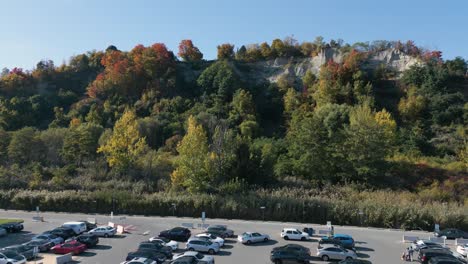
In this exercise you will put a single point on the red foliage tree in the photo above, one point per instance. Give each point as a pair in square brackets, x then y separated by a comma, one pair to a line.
[188, 52]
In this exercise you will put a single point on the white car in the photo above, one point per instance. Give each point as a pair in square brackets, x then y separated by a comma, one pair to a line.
[166, 242]
[140, 261]
[103, 231]
[11, 257]
[294, 234]
[252, 237]
[335, 253]
[202, 245]
[212, 238]
[463, 250]
[419, 244]
[197, 255]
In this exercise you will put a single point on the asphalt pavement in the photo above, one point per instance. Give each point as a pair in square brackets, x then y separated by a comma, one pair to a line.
[381, 246]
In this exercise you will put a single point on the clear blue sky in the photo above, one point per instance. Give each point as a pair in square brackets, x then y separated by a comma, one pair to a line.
[32, 30]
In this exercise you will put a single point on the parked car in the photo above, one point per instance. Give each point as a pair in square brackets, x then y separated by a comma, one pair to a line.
[212, 238]
[294, 234]
[346, 240]
[221, 228]
[201, 245]
[155, 247]
[103, 231]
[63, 232]
[149, 254]
[327, 241]
[89, 240]
[12, 227]
[444, 260]
[166, 242]
[3, 232]
[354, 261]
[452, 233]
[50, 237]
[180, 234]
[199, 256]
[29, 252]
[419, 244]
[218, 233]
[186, 260]
[77, 227]
[338, 253]
[252, 237]
[463, 250]
[426, 254]
[289, 256]
[293, 247]
[42, 244]
[140, 261]
[89, 225]
[73, 247]
[7, 257]
[309, 230]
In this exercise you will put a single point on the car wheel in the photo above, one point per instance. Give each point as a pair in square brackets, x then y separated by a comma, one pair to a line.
[106, 235]
[349, 258]
[211, 252]
[325, 258]
[286, 238]
[248, 242]
[191, 249]
[303, 238]
[278, 261]
[266, 239]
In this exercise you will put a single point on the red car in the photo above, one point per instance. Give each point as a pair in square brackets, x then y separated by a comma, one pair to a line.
[73, 247]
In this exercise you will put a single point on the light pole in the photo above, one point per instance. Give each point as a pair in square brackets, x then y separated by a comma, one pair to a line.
[173, 209]
[361, 213]
[263, 212]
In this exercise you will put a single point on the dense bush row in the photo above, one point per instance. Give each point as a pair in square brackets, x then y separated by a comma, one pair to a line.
[379, 209]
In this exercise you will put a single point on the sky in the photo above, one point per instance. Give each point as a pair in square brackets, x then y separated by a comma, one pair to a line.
[32, 30]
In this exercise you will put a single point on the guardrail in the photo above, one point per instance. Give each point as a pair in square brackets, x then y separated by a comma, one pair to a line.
[63, 259]
[38, 219]
[461, 241]
[410, 238]
[188, 225]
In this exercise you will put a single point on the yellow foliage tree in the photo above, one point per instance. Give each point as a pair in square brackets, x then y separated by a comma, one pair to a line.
[125, 144]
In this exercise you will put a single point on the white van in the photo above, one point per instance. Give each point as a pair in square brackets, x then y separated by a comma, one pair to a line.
[78, 227]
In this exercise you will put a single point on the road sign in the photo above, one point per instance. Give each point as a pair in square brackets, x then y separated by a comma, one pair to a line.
[329, 224]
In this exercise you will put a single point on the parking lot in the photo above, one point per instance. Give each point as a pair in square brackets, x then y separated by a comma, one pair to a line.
[377, 245]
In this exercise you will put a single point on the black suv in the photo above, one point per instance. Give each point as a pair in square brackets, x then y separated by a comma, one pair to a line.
[148, 254]
[180, 234]
[12, 227]
[426, 254]
[278, 257]
[89, 240]
[444, 260]
[452, 233]
[157, 248]
[63, 232]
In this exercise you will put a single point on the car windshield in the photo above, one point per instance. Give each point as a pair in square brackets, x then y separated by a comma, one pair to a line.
[10, 254]
[165, 240]
[199, 256]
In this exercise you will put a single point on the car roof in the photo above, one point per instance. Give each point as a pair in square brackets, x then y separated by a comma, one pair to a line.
[342, 235]
[190, 253]
[290, 229]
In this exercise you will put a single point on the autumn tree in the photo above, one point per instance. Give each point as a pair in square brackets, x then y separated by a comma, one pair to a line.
[125, 144]
[191, 166]
[188, 52]
[225, 51]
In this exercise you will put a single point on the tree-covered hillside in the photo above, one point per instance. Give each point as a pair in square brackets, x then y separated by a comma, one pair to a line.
[152, 121]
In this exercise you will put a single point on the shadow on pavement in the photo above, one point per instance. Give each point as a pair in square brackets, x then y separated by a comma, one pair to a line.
[230, 241]
[87, 254]
[360, 242]
[362, 255]
[118, 236]
[224, 253]
[227, 246]
[260, 244]
[102, 247]
[364, 249]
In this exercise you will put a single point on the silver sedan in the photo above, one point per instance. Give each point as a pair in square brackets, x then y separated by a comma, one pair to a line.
[252, 237]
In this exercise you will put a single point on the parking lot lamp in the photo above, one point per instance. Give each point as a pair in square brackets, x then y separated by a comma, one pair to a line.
[173, 209]
[263, 212]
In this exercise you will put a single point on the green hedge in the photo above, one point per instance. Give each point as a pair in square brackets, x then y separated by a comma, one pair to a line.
[379, 209]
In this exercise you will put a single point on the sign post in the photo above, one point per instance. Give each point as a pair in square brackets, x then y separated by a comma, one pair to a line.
[203, 217]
